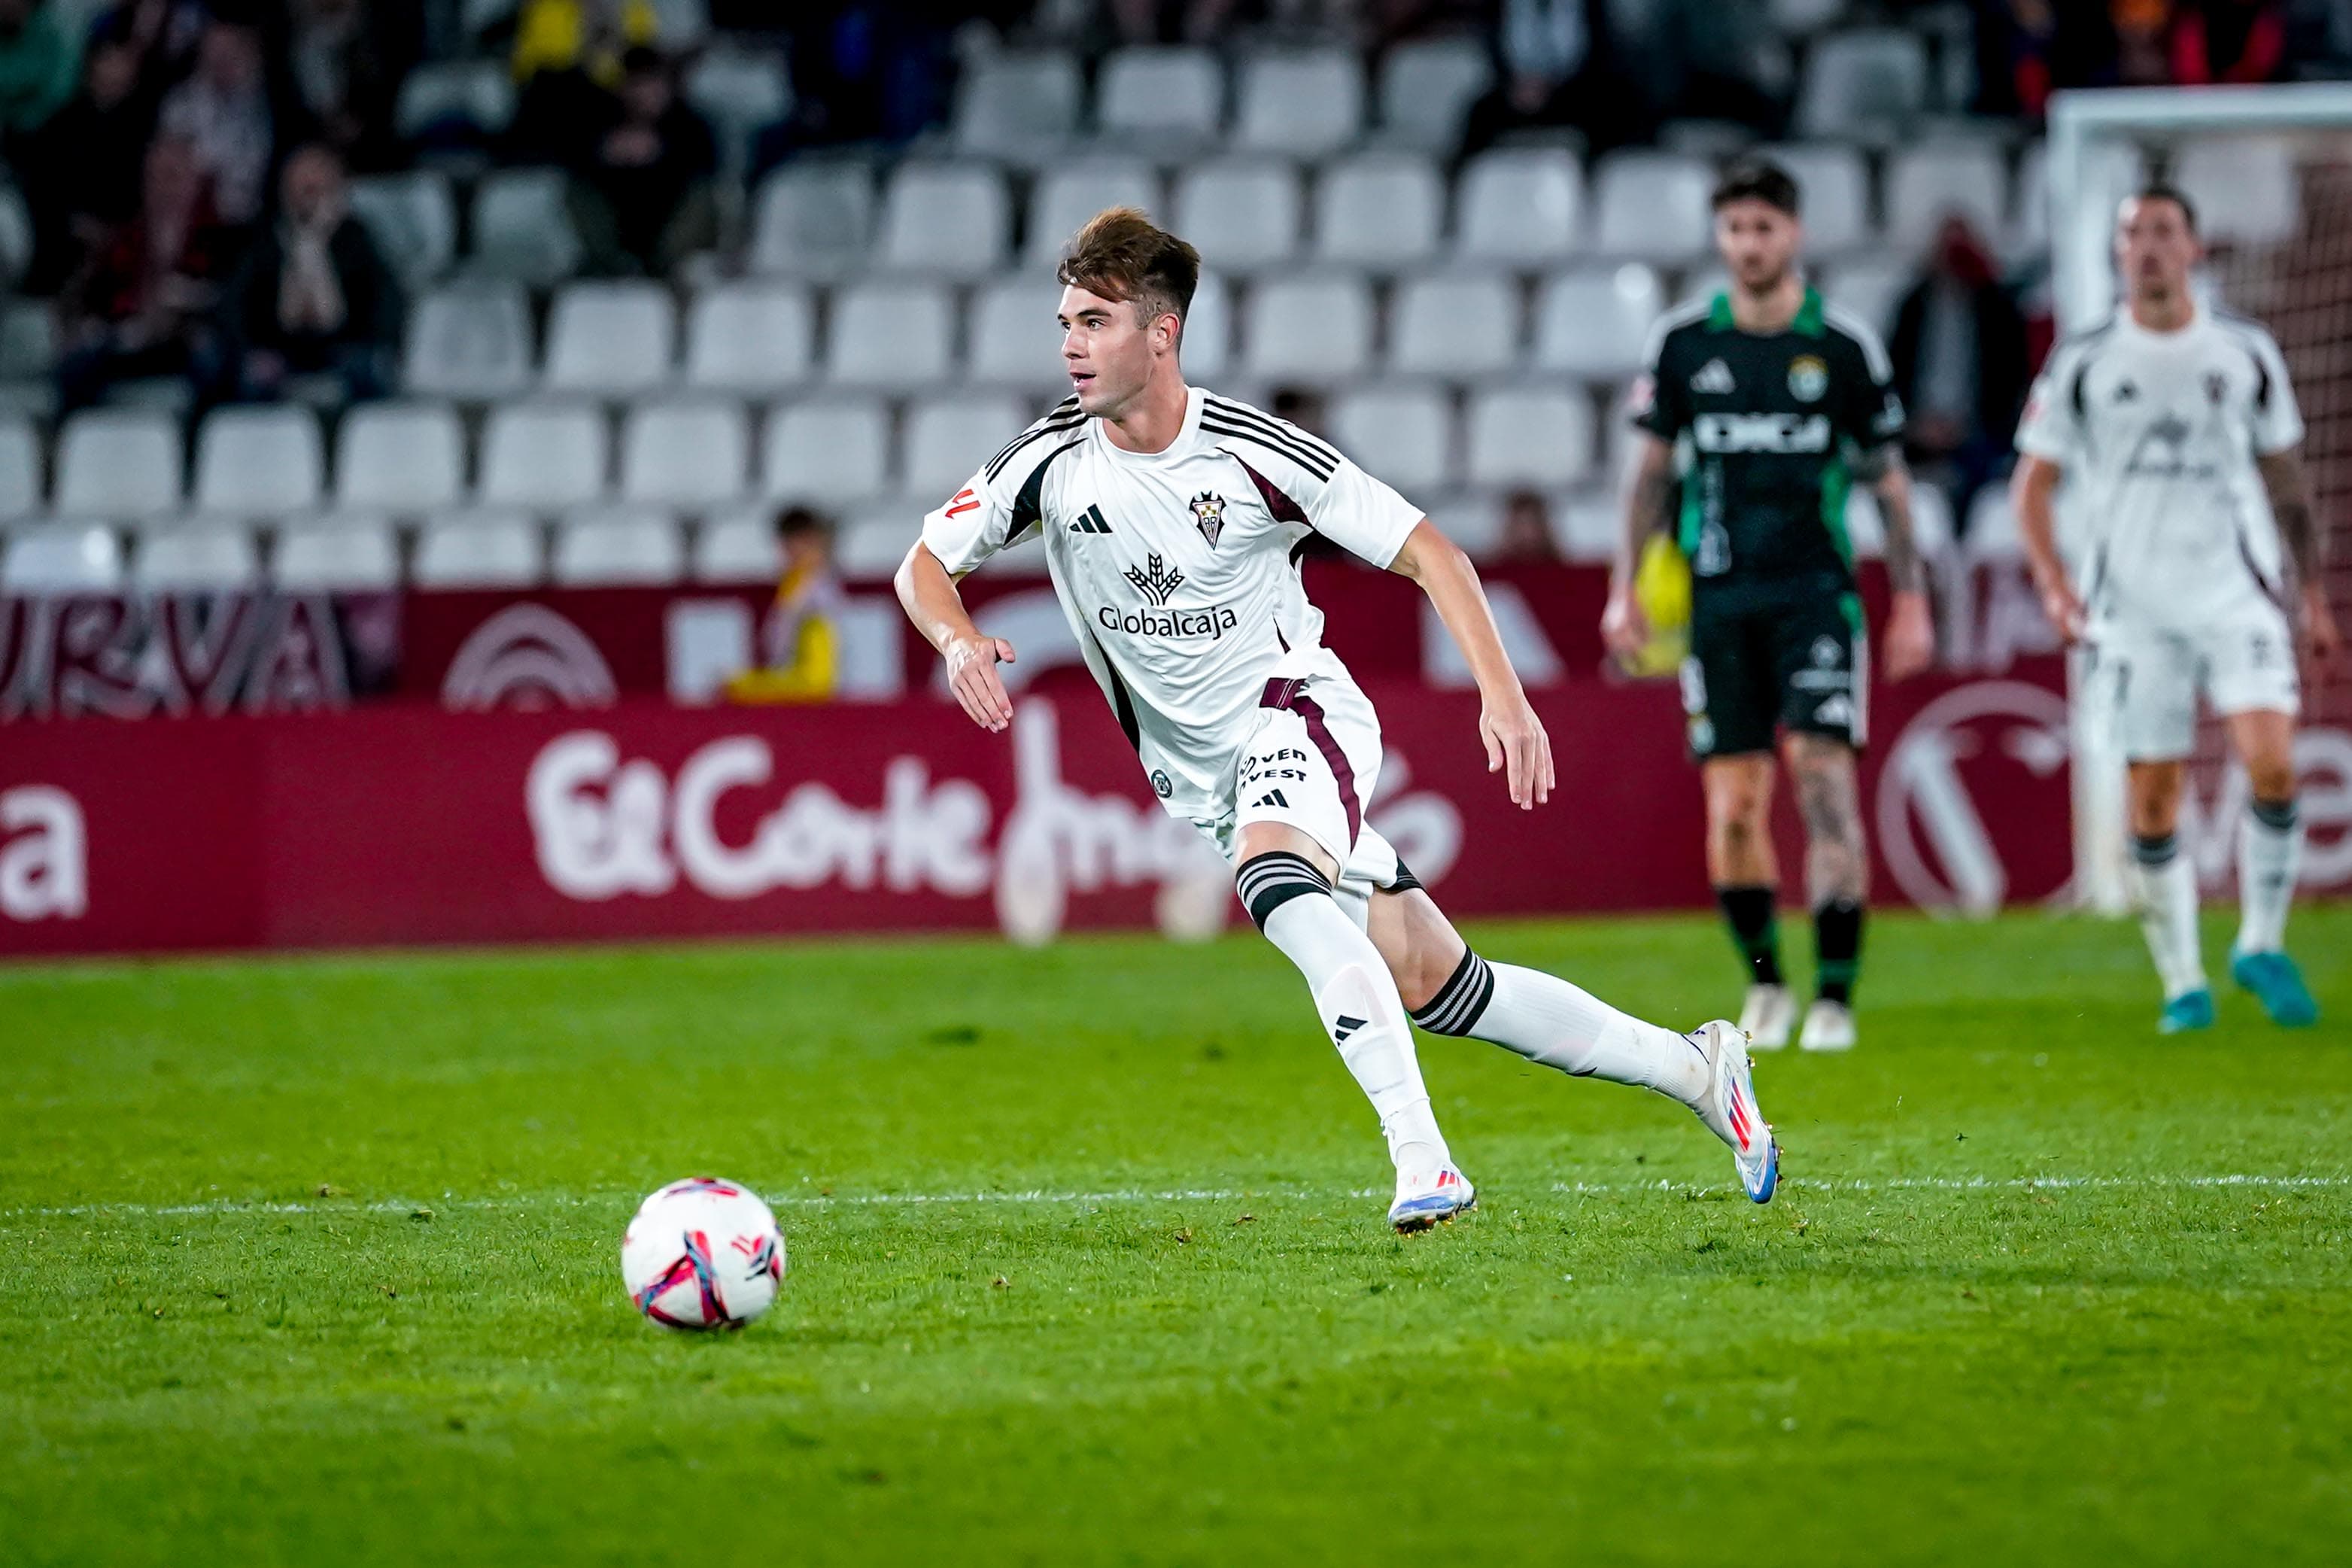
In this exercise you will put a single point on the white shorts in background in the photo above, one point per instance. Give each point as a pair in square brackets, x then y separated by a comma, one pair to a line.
[2242, 662]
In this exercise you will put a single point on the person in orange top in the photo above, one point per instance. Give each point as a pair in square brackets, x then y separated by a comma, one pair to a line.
[802, 645]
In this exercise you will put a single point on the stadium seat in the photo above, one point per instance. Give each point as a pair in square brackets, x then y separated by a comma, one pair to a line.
[1524, 205]
[1014, 340]
[1065, 196]
[1470, 519]
[479, 550]
[1314, 327]
[1165, 97]
[402, 456]
[873, 544]
[618, 548]
[1657, 206]
[1382, 210]
[1870, 290]
[1404, 433]
[895, 335]
[117, 464]
[610, 339]
[20, 468]
[62, 558]
[1588, 524]
[1799, 17]
[259, 461]
[688, 452]
[1538, 436]
[200, 558]
[750, 337]
[522, 230]
[2244, 188]
[1427, 89]
[947, 439]
[825, 452]
[355, 553]
[953, 219]
[15, 236]
[413, 220]
[447, 98]
[1992, 528]
[1700, 283]
[471, 342]
[1208, 347]
[814, 218]
[543, 455]
[1459, 325]
[1301, 103]
[1020, 106]
[738, 546]
[1925, 184]
[1833, 183]
[1242, 214]
[740, 93]
[1596, 324]
[1864, 86]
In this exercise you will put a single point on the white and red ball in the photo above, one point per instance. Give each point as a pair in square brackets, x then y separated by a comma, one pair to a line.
[703, 1254]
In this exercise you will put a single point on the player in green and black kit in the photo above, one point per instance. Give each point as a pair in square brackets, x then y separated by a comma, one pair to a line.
[1762, 406]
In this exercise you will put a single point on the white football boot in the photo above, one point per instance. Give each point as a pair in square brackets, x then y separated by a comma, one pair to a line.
[1828, 1026]
[1432, 1199]
[1730, 1111]
[1767, 1017]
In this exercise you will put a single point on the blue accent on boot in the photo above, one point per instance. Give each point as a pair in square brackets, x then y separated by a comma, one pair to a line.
[2278, 986]
[2189, 1010]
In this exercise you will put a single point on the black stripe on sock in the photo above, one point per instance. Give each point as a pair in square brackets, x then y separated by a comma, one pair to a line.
[2279, 815]
[2153, 852]
[1462, 1000]
[1268, 881]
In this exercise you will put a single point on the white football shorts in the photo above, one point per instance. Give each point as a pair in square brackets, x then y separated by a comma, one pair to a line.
[2242, 662]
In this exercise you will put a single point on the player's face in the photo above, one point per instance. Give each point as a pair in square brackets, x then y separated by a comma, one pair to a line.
[1759, 242]
[1109, 348]
[2155, 246]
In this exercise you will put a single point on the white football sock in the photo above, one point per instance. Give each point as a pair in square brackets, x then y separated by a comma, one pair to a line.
[2267, 854]
[1547, 1020]
[2167, 903]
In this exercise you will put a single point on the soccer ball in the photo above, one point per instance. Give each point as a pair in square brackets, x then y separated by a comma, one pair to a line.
[703, 1254]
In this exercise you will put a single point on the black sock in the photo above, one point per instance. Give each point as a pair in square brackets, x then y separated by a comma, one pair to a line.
[1755, 931]
[1837, 949]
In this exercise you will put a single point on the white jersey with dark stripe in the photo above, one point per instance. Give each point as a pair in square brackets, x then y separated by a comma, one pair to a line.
[2157, 435]
[1178, 569]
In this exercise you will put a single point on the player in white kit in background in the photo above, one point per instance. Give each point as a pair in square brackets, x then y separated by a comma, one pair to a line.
[2177, 418]
[1170, 518]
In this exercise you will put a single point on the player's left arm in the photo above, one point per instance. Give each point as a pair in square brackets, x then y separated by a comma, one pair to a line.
[1516, 742]
[1910, 638]
[2290, 496]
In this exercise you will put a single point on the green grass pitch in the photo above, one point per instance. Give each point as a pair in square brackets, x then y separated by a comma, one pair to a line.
[315, 1261]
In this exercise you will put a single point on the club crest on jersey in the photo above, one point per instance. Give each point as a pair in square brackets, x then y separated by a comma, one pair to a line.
[1209, 515]
[1714, 376]
[1157, 581]
[1808, 378]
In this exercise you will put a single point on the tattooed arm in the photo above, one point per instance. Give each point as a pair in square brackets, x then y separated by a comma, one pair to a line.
[1910, 638]
[2291, 505]
[1624, 628]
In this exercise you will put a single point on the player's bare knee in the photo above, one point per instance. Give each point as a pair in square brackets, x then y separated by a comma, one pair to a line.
[2271, 777]
[2152, 794]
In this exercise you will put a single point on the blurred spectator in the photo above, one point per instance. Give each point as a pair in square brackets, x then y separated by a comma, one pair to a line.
[313, 297]
[1527, 529]
[2228, 41]
[641, 192]
[556, 36]
[801, 639]
[138, 306]
[38, 62]
[1303, 406]
[223, 110]
[1553, 69]
[1705, 59]
[1960, 363]
[1170, 21]
[81, 172]
[864, 70]
[346, 58]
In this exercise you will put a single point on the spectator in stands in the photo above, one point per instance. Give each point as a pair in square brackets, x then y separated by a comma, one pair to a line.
[313, 297]
[1170, 21]
[38, 65]
[1553, 69]
[641, 192]
[346, 58]
[222, 111]
[863, 71]
[2228, 41]
[1960, 363]
[81, 172]
[589, 37]
[1303, 406]
[801, 639]
[139, 306]
[1527, 529]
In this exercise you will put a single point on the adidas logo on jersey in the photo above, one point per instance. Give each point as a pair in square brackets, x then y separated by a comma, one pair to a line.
[1344, 1026]
[1271, 797]
[1714, 376]
[1090, 521]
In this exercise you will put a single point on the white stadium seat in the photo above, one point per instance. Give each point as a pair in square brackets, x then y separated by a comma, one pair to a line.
[1314, 327]
[413, 220]
[1020, 106]
[1589, 524]
[353, 554]
[1382, 210]
[738, 546]
[1521, 204]
[1657, 206]
[62, 558]
[1242, 214]
[477, 93]
[20, 468]
[522, 230]
[812, 219]
[1068, 195]
[1538, 435]
[874, 543]
[1459, 324]
[1303, 104]
[949, 439]
[739, 93]
[1427, 88]
[1925, 183]
[543, 455]
[471, 342]
[1404, 433]
[750, 337]
[895, 335]
[1867, 85]
[953, 219]
[1834, 187]
[1992, 527]
[828, 452]
[610, 339]
[687, 452]
[1470, 520]
[1015, 341]
[1208, 346]
[618, 548]
[2244, 188]
[119, 464]
[1161, 97]
[1870, 290]
[259, 461]
[402, 456]
[1595, 324]
[199, 559]
[479, 550]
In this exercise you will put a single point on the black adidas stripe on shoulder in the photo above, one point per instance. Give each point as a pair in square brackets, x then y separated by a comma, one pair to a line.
[1313, 462]
[1249, 416]
[1277, 432]
[1029, 504]
[1065, 416]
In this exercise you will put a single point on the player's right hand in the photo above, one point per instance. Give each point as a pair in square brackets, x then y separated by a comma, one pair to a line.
[971, 676]
[2065, 611]
[1624, 629]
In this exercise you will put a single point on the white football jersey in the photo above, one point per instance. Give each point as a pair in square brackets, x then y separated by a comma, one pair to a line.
[2161, 430]
[1179, 569]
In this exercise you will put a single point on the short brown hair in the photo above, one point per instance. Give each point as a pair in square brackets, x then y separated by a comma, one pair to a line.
[1122, 255]
[1757, 180]
[2166, 191]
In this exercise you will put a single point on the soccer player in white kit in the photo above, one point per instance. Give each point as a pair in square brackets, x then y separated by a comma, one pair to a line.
[1172, 521]
[2175, 416]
